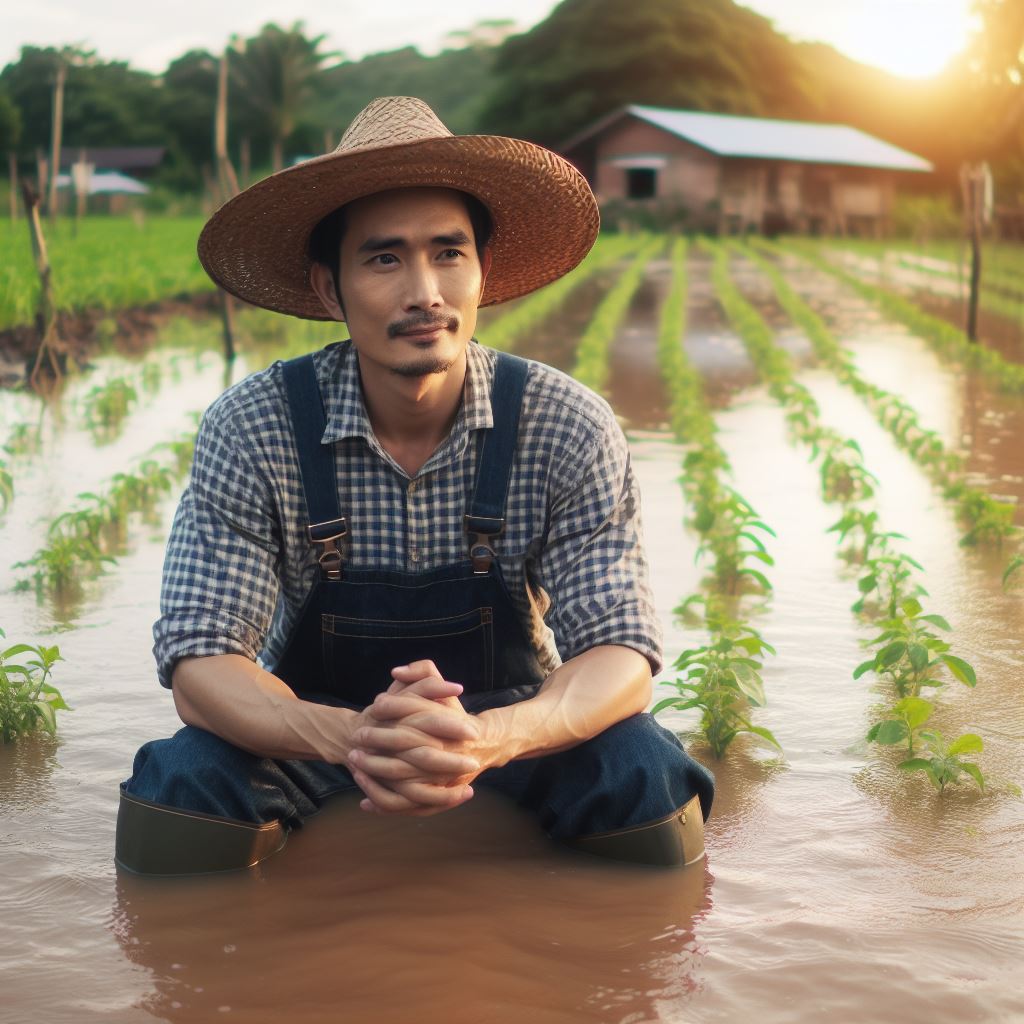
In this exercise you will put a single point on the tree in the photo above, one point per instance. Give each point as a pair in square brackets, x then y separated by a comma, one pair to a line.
[276, 79]
[590, 57]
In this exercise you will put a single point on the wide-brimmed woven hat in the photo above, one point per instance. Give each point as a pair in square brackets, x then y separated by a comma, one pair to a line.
[544, 213]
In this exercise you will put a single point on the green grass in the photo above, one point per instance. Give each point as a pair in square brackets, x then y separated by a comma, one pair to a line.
[112, 264]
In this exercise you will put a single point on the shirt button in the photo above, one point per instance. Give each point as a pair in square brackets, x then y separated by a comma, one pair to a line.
[412, 486]
[414, 555]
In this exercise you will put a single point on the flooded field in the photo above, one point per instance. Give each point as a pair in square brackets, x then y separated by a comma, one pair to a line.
[835, 887]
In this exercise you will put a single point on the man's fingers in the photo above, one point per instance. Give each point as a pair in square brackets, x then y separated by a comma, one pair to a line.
[408, 796]
[408, 764]
[387, 707]
[422, 729]
[430, 687]
[415, 671]
[435, 761]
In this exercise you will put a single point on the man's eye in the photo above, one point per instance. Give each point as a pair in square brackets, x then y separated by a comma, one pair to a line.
[385, 256]
[450, 253]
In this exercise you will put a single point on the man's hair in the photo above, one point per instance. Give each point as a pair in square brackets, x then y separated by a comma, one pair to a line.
[325, 239]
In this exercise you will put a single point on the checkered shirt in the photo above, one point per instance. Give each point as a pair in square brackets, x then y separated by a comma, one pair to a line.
[239, 565]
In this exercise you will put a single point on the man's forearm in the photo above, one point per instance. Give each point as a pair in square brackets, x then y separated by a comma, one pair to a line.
[580, 699]
[236, 699]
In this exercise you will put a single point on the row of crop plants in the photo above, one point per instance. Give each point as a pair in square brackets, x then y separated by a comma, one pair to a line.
[986, 520]
[908, 655]
[947, 340]
[722, 677]
[591, 367]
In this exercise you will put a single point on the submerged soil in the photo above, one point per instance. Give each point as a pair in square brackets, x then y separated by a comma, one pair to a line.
[834, 887]
[130, 330]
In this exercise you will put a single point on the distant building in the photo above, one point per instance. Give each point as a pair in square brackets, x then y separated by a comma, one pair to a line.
[728, 173]
[141, 161]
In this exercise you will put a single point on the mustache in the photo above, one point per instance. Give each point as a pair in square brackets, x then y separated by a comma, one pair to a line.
[421, 322]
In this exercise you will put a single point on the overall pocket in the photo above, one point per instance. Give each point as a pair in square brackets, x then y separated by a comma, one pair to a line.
[358, 654]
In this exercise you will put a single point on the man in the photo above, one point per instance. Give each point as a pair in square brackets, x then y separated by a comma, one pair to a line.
[405, 563]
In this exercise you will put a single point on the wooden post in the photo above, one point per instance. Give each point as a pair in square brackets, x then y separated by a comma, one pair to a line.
[973, 185]
[47, 317]
[246, 160]
[12, 170]
[228, 187]
[57, 129]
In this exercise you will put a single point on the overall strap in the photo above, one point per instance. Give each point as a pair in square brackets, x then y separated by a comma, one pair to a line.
[486, 516]
[316, 462]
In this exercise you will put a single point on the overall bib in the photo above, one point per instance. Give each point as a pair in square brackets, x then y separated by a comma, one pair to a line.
[357, 624]
[197, 803]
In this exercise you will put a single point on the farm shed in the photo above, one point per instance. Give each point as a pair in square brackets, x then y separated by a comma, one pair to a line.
[729, 173]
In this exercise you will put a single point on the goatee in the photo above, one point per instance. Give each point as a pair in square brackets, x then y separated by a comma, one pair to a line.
[424, 367]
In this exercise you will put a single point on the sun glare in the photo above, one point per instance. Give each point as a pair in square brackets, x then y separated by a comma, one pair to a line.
[913, 38]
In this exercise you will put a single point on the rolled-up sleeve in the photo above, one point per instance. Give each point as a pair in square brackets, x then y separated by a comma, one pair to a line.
[592, 564]
[220, 576]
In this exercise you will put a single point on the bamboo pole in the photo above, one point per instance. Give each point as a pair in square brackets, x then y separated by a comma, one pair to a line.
[47, 316]
[57, 128]
[227, 181]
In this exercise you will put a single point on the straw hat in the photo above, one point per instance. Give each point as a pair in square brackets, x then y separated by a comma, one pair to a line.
[544, 213]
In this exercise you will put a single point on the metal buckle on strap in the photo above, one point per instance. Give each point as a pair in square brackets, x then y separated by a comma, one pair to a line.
[331, 556]
[481, 531]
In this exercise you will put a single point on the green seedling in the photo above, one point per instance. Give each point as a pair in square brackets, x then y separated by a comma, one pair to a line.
[723, 680]
[107, 405]
[859, 526]
[28, 701]
[887, 581]
[910, 713]
[1012, 569]
[24, 439]
[6, 487]
[910, 654]
[844, 477]
[944, 763]
[729, 529]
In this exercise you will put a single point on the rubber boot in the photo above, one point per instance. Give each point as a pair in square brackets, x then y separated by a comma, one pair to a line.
[674, 841]
[156, 840]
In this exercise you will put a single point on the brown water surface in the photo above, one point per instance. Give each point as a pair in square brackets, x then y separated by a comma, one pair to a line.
[835, 888]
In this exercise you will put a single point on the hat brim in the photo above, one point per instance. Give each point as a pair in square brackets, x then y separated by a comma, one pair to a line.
[545, 216]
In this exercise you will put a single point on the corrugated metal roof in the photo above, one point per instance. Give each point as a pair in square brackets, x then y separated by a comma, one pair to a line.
[107, 182]
[731, 135]
[115, 158]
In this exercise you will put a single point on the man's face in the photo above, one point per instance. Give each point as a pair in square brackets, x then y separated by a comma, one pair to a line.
[411, 279]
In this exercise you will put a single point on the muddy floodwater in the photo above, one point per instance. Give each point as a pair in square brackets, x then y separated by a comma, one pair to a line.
[835, 888]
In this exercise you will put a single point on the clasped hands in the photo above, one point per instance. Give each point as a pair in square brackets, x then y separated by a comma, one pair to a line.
[416, 750]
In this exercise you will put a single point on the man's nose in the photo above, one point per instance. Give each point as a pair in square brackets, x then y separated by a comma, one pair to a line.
[423, 287]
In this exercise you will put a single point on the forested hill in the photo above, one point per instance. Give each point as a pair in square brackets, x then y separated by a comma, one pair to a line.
[585, 59]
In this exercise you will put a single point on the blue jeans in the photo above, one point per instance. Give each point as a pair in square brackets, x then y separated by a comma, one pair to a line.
[632, 773]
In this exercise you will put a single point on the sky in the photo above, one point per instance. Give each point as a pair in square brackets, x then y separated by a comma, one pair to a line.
[909, 37]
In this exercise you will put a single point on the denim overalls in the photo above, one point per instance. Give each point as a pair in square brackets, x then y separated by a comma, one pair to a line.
[357, 624]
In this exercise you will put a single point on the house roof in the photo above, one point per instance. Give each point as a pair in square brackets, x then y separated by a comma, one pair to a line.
[767, 139]
[114, 158]
[107, 182]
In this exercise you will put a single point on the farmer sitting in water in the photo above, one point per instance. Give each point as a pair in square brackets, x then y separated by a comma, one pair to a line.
[407, 564]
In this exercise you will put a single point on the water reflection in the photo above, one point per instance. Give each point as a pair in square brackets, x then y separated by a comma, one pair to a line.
[26, 766]
[472, 915]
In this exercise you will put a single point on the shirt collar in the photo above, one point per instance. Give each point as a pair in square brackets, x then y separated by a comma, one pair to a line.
[346, 412]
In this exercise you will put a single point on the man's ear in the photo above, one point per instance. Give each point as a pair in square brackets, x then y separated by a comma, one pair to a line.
[322, 282]
[485, 266]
